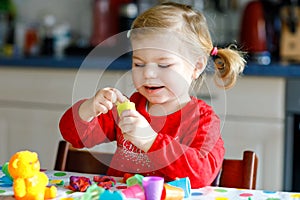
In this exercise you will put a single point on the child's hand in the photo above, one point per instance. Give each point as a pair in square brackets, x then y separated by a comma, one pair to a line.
[101, 103]
[137, 130]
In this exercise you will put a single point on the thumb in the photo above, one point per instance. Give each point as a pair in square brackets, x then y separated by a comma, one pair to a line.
[120, 97]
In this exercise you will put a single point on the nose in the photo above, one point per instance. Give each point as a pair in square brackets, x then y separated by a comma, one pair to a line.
[150, 70]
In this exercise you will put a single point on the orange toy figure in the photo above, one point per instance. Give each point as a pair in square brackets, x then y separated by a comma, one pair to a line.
[28, 181]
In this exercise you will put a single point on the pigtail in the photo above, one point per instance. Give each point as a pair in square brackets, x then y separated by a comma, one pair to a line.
[229, 64]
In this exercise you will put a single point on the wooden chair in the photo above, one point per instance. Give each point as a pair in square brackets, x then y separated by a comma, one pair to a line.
[234, 173]
[83, 161]
[239, 173]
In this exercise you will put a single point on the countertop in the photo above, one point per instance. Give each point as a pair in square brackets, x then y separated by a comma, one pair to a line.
[124, 63]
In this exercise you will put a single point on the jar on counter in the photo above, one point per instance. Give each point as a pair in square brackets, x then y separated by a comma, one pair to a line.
[31, 41]
[106, 21]
[103, 23]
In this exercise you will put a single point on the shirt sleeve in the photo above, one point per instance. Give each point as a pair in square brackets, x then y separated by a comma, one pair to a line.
[197, 150]
[86, 134]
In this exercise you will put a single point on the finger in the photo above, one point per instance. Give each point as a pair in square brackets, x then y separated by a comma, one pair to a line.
[100, 108]
[129, 113]
[120, 97]
[127, 129]
[101, 100]
[110, 94]
[126, 125]
[128, 120]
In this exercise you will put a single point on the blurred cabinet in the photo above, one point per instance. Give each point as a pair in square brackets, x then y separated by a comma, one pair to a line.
[252, 115]
[33, 100]
[32, 129]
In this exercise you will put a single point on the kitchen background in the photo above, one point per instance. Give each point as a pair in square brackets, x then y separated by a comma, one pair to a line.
[38, 22]
[43, 43]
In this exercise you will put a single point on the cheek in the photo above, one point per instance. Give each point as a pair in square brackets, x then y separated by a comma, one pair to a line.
[187, 74]
[178, 82]
[137, 78]
[180, 76]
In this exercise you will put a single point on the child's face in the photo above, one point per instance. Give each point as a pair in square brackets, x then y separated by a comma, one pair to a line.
[161, 75]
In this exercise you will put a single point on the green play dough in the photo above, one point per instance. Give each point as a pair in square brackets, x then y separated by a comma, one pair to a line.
[127, 105]
[5, 170]
[60, 174]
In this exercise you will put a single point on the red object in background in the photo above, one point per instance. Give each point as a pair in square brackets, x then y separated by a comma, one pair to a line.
[105, 21]
[253, 31]
[31, 42]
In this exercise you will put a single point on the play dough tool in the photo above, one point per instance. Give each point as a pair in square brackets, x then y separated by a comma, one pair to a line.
[126, 105]
[153, 187]
[171, 192]
[134, 191]
[183, 183]
[136, 179]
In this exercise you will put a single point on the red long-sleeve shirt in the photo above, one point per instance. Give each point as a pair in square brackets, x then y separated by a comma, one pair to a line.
[188, 144]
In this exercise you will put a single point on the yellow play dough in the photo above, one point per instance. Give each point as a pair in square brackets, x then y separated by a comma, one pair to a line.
[126, 105]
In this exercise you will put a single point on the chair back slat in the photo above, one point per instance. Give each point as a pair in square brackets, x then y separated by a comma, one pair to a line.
[239, 173]
[83, 161]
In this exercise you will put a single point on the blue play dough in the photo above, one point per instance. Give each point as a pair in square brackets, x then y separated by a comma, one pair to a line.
[115, 195]
[5, 181]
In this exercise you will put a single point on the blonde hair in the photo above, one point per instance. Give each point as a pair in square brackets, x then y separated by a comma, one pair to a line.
[192, 24]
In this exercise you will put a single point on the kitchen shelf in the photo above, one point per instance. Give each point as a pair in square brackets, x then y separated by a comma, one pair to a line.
[124, 63]
[274, 69]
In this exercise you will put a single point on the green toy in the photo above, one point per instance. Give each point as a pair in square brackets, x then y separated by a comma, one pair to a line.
[5, 171]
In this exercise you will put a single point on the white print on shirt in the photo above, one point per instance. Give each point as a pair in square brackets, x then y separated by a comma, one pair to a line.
[129, 152]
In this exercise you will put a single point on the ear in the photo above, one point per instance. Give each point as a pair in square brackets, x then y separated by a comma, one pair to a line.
[199, 67]
[15, 163]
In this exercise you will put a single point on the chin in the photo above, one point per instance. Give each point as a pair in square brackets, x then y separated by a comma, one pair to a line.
[156, 100]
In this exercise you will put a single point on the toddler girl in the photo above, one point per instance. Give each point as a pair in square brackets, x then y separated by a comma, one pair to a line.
[170, 133]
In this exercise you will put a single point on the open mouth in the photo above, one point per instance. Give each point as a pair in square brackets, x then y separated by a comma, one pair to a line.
[153, 87]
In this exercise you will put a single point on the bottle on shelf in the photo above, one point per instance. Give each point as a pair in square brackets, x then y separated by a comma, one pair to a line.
[31, 41]
[7, 27]
[47, 46]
